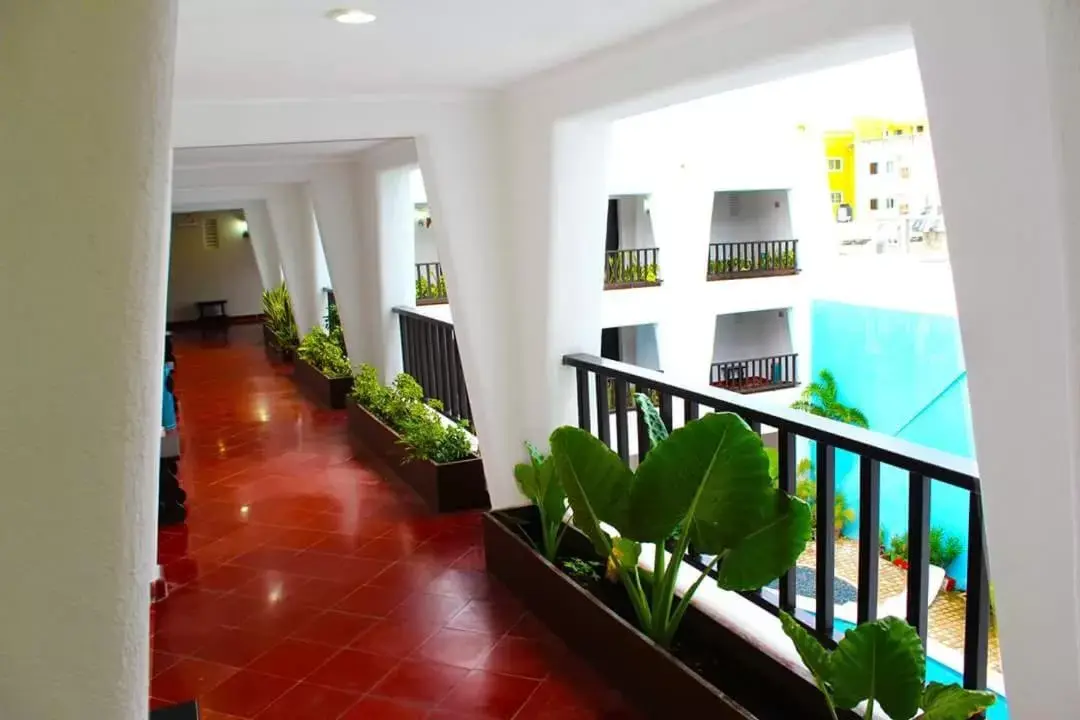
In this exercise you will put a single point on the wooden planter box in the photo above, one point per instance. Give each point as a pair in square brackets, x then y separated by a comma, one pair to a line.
[274, 352]
[445, 487]
[327, 392]
[744, 682]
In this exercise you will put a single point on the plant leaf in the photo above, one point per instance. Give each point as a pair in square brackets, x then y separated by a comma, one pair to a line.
[771, 549]
[596, 481]
[626, 552]
[527, 482]
[718, 455]
[550, 494]
[952, 702]
[812, 652]
[658, 432]
[883, 660]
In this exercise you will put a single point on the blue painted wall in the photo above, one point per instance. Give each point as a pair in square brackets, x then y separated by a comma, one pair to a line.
[905, 371]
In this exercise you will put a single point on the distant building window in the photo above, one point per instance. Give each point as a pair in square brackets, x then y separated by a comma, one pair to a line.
[873, 168]
[890, 166]
[836, 164]
[898, 131]
[837, 198]
[873, 204]
[890, 203]
[920, 128]
[905, 173]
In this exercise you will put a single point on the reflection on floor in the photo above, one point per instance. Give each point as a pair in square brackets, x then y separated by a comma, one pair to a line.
[305, 587]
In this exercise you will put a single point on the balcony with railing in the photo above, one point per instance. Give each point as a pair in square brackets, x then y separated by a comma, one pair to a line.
[430, 284]
[633, 268]
[755, 375]
[759, 258]
[842, 579]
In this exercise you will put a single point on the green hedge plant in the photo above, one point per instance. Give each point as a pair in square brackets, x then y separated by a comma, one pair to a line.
[320, 351]
[401, 406]
[882, 664]
[707, 483]
[278, 317]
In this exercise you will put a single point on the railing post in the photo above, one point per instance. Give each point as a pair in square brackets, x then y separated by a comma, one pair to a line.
[603, 412]
[786, 479]
[977, 611]
[869, 537]
[918, 552]
[826, 543]
[622, 431]
[584, 415]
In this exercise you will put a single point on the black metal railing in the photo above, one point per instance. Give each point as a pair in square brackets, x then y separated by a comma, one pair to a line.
[759, 258]
[756, 374]
[872, 449]
[429, 352]
[430, 284]
[631, 268]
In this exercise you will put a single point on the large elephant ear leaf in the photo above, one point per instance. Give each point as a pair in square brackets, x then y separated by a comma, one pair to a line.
[952, 702]
[700, 467]
[527, 481]
[883, 660]
[551, 496]
[769, 550]
[596, 481]
[813, 653]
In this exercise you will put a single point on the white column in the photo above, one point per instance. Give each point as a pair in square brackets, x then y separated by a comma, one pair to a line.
[333, 197]
[681, 211]
[263, 243]
[298, 242]
[1004, 103]
[86, 90]
[520, 232]
[396, 254]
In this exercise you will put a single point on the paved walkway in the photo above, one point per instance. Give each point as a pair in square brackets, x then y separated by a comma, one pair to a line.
[306, 587]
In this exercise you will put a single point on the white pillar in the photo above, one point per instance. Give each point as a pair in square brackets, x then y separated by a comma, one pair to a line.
[520, 232]
[298, 242]
[86, 90]
[263, 243]
[396, 254]
[681, 211]
[333, 197]
[1004, 105]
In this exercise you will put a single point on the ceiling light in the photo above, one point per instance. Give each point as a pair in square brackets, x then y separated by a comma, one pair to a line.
[351, 17]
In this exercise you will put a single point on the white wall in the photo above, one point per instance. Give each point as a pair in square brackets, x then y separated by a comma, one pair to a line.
[635, 225]
[199, 273]
[743, 336]
[426, 252]
[749, 216]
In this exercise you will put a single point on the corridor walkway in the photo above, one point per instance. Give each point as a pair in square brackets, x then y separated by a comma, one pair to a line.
[305, 587]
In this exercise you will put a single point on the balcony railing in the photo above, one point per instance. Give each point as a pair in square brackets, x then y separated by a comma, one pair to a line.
[631, 268]
[430, 284]
[429, 352]
[917, 467]
[760, 258]
[755, 375]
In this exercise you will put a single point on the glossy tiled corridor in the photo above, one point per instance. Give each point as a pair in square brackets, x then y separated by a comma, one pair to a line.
[306, 587]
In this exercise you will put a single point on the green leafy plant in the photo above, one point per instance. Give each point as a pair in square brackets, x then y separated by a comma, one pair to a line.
[431, 289]
[631, 393]
[708, 479]
[278, 317]
[945, 548]
[582, 569]
[333, 326]
[806, 490]
[536, 480]
[629, 269]
[322, 353]
[821, 398]
[882, 663]
[401, 405]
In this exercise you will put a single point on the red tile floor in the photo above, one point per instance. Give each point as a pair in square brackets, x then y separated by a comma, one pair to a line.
[306, 587]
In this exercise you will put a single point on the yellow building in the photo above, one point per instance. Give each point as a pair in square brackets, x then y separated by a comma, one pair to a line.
[840, 163]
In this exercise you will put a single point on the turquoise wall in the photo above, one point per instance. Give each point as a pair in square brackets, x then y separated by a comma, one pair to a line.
[905, 371]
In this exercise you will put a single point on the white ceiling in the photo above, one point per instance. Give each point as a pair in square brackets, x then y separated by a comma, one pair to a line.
[244, 49]
[287, 153]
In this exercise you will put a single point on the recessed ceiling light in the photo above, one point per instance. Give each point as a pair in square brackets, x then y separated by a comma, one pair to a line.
[351, 17]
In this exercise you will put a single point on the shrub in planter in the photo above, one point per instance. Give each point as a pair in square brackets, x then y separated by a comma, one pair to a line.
[707, 483]
[278, 317]
[538, 482]
[401, 406]
[321, 352]
[882, 663]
